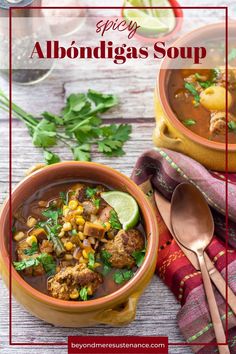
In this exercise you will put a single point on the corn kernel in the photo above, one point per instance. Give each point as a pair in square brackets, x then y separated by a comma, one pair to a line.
[19, 236]
[81, 236]
[85, 254]
[73, 204]
[107, 226]
[80, 220]
[68, 246]
[80, 227]
[79, 210]
[67, 226]
[61, 234]
[89, 290]
[74, 294]
[65, 210]
[31, 239]
[31, 222]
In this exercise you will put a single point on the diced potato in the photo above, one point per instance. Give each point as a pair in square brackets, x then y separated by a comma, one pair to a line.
[19, 236]
[31, 222]
[214, 98]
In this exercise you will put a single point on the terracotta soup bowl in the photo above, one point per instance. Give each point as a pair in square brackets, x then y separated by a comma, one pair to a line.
[170, 132]
[115, 309]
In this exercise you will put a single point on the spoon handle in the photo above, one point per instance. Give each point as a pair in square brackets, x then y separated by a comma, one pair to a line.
[214, 311]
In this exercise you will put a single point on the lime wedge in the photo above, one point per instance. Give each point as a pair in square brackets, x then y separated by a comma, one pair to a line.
[165, 15]
[151, 21]
[147, 23]
[125, 206]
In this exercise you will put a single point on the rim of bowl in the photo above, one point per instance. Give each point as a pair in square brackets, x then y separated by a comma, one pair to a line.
[161, 83]
[152, 245]
[178, 13]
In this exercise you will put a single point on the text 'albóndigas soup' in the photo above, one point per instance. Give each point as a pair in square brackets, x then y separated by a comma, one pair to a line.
[119, 54]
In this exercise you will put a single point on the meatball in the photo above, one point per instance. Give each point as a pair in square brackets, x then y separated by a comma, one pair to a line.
[218, 122]
[70, 279]
[122, 247]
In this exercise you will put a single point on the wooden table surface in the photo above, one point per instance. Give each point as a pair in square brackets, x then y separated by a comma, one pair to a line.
[157, 308]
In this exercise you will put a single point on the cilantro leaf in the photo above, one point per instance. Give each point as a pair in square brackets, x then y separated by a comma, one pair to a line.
[121, 276]
[102, 101]
[32, 250]
[26, 263]
[44, 134]
[48, 263]
[96, 202]
[83, 293]
[82, 153]
[232, 126]
[45, 259]
[53, 118]
[139, 257]
[91, 260]
[106, 269]
[128, 274]
[118, 277]
[79, 126]
[90, 192]
[50, 157]
[105, 255]
[117, 132]
[52, 214]
[114, 221]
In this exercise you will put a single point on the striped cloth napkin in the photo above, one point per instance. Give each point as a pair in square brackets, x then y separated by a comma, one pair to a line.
[163, 170]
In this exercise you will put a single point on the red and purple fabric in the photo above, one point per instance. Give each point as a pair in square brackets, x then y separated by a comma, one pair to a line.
[163, 170]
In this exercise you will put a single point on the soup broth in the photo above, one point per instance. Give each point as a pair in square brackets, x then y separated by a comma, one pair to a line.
[75, 242]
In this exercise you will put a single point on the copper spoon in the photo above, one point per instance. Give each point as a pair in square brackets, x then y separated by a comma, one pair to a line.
[193, 226]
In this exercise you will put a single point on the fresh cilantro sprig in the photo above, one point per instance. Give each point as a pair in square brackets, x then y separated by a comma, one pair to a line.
[78, 127]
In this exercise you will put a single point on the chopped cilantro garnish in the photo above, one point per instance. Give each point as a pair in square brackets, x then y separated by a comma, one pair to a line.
[121, 276]
[91, 260]
[33, 249]
[90, 192]
[189, 122]
[45, 259]
[190, 87]
[232, 126]
[96, 202]
[139, 257]
[114, 221]
[83, 293]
